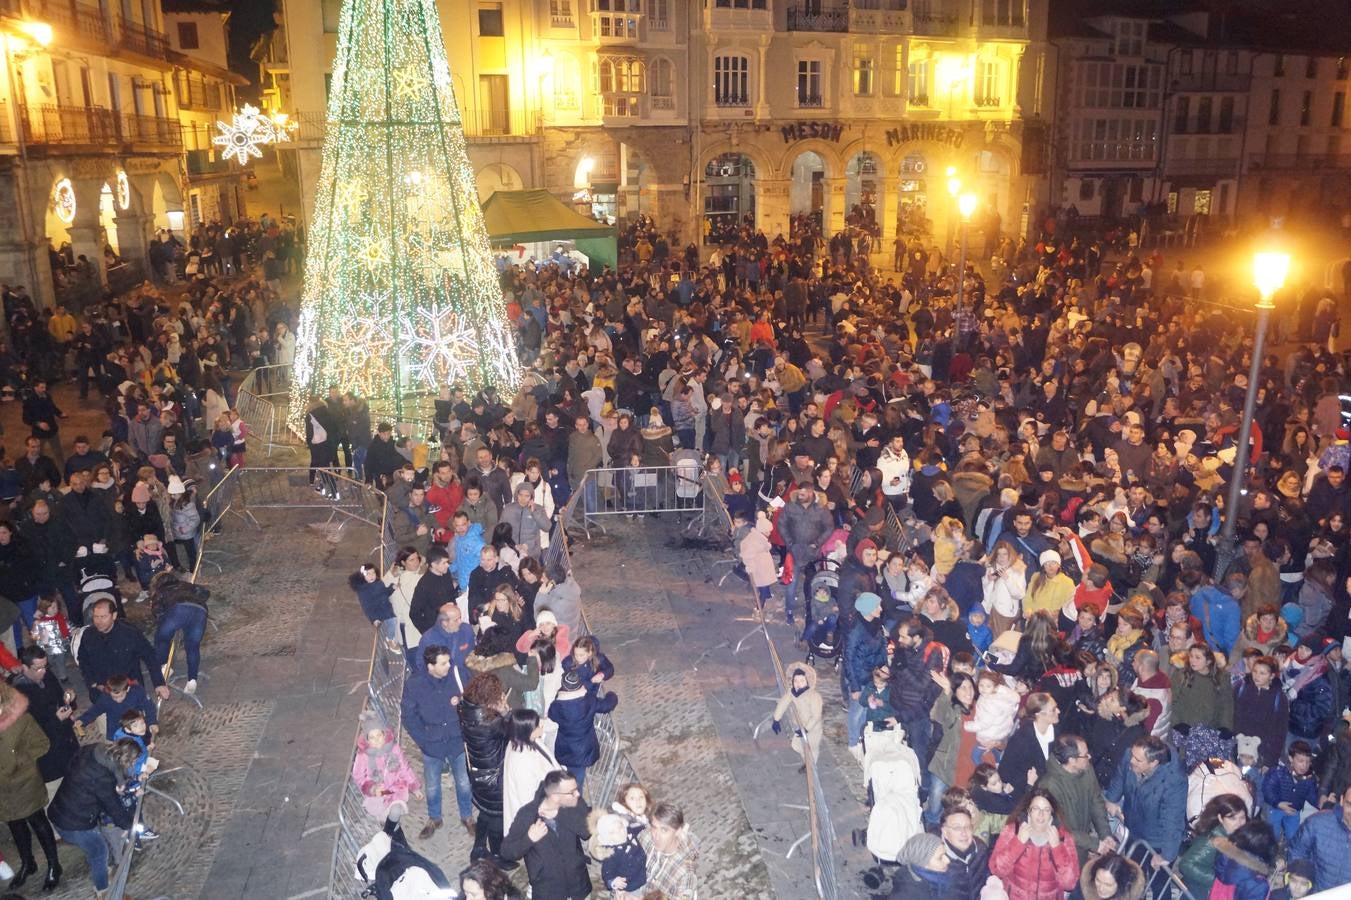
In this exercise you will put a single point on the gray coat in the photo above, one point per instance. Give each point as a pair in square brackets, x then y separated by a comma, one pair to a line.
[805, 529]
[527, 525]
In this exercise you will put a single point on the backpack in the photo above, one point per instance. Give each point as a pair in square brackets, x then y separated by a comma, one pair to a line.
[1212, 778]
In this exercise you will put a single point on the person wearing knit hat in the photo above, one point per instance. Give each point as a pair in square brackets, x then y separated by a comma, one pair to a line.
[923, 860]
[867, 604]
[140, 493]
[1049, 556]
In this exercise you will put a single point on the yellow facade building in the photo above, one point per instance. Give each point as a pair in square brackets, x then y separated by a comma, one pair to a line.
[694, 114]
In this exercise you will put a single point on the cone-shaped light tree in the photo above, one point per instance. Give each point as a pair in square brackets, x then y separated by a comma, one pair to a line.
[401, 297]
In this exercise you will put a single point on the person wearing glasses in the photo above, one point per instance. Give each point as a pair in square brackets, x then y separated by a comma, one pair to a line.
[1035, 855]
[1070, 780]
[547, 833]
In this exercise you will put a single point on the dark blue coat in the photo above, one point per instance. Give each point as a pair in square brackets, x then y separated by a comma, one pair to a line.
[576, 744]
[864, 650]
[1282, 786]
[1248, 883]
[1324, 838]
[1155, 808]
[374, 597]
[429, 717]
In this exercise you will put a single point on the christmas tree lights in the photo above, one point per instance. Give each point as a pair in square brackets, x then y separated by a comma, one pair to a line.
[401, 298]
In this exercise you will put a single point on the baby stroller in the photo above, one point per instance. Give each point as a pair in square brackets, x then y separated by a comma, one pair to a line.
[96, 586]
[822, 632]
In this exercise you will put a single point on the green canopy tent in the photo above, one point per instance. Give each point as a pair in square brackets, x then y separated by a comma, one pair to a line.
[531, 217]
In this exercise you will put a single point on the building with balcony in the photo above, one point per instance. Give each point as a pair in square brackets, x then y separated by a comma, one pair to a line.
[90, 144]
[702, 113]
[1191, 112]
[205, 90]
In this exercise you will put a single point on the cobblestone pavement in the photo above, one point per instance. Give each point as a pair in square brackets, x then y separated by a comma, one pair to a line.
[259, 767]
[695, 682]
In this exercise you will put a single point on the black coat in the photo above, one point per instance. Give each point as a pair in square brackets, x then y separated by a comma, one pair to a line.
[89, 792]
[485, 744]
[122, 651]
[53, 548]
[17, 570]
[555, 863]
[432, 592]
[906, 885]
[88, 514]
[44, 699]
[1022, 753]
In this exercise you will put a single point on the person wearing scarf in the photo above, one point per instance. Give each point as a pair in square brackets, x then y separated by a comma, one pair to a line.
[924, 861]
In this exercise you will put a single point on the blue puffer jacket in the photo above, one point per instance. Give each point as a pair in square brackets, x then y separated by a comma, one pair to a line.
[1155, 808]
[467, 549]
[1311, 709]
[864, 650]
[429, 717]
[1283, 786]
[1219, 616]
[1245, 872]
[1324, 838]
[576, 744]
[374, 598]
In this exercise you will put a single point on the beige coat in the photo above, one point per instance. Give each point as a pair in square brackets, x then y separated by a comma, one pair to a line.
[807, 708]
[755, 555]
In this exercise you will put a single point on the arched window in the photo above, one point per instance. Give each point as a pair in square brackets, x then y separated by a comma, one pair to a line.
[660, 84]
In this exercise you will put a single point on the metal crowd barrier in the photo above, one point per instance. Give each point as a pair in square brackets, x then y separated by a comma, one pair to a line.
[635, 491]
[125, 852]
[266, 420]
[821, 830]
[1162, 883]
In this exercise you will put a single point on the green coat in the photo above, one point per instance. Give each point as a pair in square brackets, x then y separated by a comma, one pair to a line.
[944, 762]
[22, 743]
[1199, 700]
[1082, 809]
[1196, 864]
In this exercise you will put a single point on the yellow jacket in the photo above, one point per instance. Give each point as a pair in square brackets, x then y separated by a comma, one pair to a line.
[61, 327]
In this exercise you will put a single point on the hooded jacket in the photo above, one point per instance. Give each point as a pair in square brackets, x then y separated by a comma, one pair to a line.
[807, 706]
[575, 714]
[22, 744]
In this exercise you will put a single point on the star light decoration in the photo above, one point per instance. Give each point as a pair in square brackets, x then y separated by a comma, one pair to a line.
[362, 349]
[248, 130]
[437, 344]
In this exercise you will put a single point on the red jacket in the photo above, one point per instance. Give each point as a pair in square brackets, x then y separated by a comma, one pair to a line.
[1030, 872]
[445, 500]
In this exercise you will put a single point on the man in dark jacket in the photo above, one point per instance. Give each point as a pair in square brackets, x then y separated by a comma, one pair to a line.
[1070, 779]
[382, 457]
[89, 793]
[1150, 793]
[111, 648]
[49, 705]
[805, 525]
[968, 856]
[435, 588]
[913, 689]
[548, 832]
[53, 549]
[429, 716]
[41, 414]
[87, 514]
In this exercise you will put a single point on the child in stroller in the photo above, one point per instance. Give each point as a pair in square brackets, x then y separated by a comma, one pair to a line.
[822, 632]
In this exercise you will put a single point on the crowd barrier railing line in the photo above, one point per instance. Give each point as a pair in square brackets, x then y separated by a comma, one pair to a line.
[821, 829]
[635, 491]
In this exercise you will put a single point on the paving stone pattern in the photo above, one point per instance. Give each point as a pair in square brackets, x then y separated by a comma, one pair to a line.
[690, 703]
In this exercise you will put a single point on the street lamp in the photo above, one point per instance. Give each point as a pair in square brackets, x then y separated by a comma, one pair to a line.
[1269, 271]
[954, 188]
[966, 205]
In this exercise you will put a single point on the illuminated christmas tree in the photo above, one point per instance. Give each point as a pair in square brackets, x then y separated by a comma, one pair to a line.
[401, 297]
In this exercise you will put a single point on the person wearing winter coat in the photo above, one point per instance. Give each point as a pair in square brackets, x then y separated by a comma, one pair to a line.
[865, 648]
[49, 703]
[482, 710]
[529, 523]
[951, 761]
[1262, 710]
[574, 710]
[754, 550]
[1025, 756]
[429, 715]
[1070, 780]
[1035, 855]
[1264, 630]
[1150, 792]
[180, 607]
[404, 576]
[382, 772]
[1217, 609]
[526, 763]
[924, 865]
[1005, 584]
[88, 795]
[548, 832]
[807, 707]
[1244, 862]
[805, 525]
[1221, 817]
[1202, 695]
[373, 595]
[1288, 787]
[1323, 838]
[1305, 680]
[24, 793]
[466, 542]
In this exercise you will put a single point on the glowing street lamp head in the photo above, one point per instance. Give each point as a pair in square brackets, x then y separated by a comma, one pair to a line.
[39, 33]
[1269, 273]
[966, 204]
[954, 184]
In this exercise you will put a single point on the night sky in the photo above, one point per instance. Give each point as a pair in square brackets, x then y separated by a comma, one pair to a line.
[248, 19]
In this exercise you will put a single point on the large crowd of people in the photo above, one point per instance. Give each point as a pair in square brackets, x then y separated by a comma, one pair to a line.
[996, 510]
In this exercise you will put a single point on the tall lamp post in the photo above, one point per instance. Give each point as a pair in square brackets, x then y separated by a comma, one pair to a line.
[1269, 271]
[966, 205]
[954, 189]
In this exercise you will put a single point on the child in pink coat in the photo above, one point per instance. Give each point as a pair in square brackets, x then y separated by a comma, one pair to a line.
[382, 772]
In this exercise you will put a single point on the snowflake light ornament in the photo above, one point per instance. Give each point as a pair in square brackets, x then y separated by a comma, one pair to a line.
[436, 344]
[242, 136]
[362, 352]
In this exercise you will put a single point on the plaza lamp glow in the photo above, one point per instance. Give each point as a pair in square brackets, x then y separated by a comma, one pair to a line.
[39, 33]
[1270, 269]
[966, 205]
